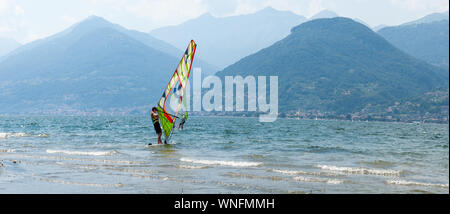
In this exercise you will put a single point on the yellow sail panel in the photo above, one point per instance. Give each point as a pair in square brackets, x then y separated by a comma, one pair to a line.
[176, 87]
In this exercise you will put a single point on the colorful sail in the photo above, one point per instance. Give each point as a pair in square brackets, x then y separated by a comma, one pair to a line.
[170, 103]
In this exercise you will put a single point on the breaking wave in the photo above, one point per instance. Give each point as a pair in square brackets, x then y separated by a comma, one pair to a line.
[222, 163]
[362, 171]
[4, 135]
[43, 135]
[413, 183]
[190, 167]
[293, 172]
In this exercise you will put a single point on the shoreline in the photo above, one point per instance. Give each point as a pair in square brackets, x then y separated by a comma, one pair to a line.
[230, 116]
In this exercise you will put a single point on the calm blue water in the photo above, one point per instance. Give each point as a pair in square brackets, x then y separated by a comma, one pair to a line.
[221, 155]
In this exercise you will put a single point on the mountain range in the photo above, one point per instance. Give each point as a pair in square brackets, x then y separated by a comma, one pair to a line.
[339, 66]
[93, 65]
[228, 39]
[426, 19]
[426, 39]
[429, 18]
[333, 66]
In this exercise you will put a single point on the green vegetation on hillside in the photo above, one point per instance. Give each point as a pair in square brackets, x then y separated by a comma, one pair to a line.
[339, 67]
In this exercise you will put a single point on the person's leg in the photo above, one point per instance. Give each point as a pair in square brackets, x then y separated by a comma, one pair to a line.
[159, 138]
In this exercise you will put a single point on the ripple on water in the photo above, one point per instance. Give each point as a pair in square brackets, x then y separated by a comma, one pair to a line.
[414, 183]
[308, 155]
[318, 180]
[362, 171]
[83, 153]
[378, 163]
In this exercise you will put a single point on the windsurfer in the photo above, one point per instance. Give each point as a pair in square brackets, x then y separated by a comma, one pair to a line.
[155, 119]
[183, 120]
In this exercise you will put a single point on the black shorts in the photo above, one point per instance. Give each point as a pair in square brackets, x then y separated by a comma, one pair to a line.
[157, 127]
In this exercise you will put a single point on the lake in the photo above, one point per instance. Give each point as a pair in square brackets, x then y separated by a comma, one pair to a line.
[110, 154]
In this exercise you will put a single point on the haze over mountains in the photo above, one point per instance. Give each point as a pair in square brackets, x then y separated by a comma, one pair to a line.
[324, 14]
[426, 19]
[426, 38]
[228, 39]
[339, 66]
[426, 41]
[325, 66]
[93, 65]
[430, 18]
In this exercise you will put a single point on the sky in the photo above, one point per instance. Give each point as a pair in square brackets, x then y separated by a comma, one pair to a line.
[28, 20]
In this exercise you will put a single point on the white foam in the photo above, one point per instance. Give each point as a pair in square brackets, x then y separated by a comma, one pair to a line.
[191, 167]
[4, 135]
[413, 183]
[335, 181]
[293, 172]
[222, 163]
[19, 134]
[318, 180]
[43, 135]
[363, 171]
[50, 151]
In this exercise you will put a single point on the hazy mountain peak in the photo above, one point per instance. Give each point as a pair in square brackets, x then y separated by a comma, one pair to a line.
[324, 14]
[79, 29]
[89, 24]
[336, 23]
[96, 22]
[330, 65]
[224, 40]
[430, 18]
[94, 17]
[206, 16]
[268, 9]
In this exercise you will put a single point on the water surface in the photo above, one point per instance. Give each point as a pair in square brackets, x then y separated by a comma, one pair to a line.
[63, 154]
